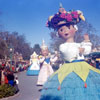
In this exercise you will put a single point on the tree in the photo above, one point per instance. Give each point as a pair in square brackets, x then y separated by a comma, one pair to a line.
[20, 45]
[26, 51]
[37, 49]
[3, 49]
[55, 41]
[85, 27]
[17, 41]
[95, 39]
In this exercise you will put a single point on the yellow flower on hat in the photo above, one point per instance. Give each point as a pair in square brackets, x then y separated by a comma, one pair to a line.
[50, 18]
[81, 15]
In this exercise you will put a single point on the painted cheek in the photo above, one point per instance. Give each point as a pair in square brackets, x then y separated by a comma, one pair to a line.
[72, 31]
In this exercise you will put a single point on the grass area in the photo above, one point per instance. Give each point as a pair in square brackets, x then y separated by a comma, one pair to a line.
[6, 90]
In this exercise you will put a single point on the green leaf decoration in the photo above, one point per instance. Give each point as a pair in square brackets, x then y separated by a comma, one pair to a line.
[82, 69]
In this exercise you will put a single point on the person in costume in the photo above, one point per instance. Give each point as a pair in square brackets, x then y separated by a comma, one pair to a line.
[75, 79]
[46, 68]
[34, 68]
[87, 45]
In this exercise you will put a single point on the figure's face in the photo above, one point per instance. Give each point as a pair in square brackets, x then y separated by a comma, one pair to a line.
[66, 32]
[86, 37]
[35, 57]
[45, 52]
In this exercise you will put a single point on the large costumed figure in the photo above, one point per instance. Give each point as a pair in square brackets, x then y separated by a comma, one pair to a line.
[75, 79]
[46, 68]
[34, 68]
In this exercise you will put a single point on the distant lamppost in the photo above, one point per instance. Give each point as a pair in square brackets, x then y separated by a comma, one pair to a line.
[15, 58]
[11, 55]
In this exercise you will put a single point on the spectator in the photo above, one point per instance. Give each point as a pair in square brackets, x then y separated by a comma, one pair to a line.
[2, 76]
[5, 76]
[10, 77]
[16, 84]
[93, 63]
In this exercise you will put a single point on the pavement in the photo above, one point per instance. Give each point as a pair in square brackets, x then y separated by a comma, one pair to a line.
[28, 88]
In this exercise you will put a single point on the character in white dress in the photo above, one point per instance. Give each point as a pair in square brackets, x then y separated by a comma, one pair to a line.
[46, 68]
[34, 68]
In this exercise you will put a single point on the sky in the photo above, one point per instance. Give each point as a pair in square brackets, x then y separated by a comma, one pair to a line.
[29, 17]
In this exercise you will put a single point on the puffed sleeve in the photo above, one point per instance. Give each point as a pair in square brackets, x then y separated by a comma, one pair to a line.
[61, 49]
[42, 59]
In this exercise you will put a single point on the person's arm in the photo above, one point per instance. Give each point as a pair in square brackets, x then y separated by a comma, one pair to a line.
[86, 44]
[53, 59]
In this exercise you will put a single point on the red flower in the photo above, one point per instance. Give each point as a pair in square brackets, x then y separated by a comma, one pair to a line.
[69, 17]
[63, 15]
[74, 14]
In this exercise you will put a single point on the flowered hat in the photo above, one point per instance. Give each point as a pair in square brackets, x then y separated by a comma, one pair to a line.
[64, 17]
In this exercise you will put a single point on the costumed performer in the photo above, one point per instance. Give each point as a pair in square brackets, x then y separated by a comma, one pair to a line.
[46, 68]
[86, 44]
[34, 68]
[75, 79]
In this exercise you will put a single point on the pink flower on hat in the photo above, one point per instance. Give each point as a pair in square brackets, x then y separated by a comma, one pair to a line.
[63, 15]
[69, 17]
[74, 14]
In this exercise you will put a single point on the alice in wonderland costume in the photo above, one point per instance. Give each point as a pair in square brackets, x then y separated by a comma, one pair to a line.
[34, 68]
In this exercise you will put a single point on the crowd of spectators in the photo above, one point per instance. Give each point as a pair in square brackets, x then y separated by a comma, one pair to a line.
[94, 62]
[7, 72]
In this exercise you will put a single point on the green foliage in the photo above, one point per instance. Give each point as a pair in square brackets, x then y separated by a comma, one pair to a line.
[37, 48]
[6, 91]
[18, 43]
[3, 48]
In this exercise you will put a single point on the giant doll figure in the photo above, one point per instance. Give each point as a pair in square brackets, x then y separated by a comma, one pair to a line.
[75, 79]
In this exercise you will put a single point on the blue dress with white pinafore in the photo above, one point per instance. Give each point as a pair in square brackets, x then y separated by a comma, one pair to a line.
[34, 68]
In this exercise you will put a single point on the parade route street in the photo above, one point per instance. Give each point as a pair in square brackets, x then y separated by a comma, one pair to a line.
[28, 88]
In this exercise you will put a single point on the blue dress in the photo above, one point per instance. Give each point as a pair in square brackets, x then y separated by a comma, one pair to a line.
[72, 87]
[34, 68]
